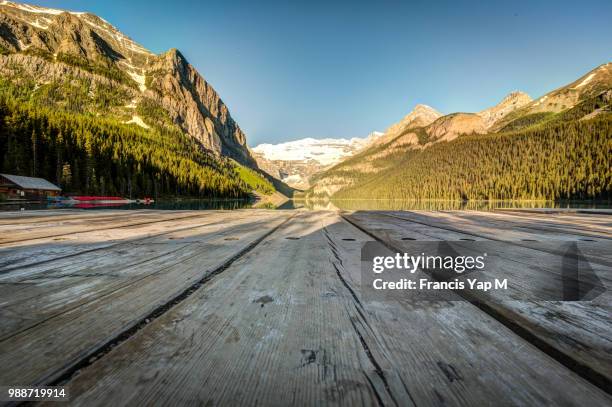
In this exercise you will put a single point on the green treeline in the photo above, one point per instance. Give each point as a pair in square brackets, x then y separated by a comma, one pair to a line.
[560, 160]
[73, 134]
[89, 154]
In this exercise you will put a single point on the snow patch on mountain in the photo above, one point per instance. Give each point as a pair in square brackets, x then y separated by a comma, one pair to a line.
[540, 101]
[111, 31]
[326, 151]
[294, 162]
[93, 21]
[36, 9]
[31, 9]
[37, 23]
[140, 79]
[585, 81]
[138, 121]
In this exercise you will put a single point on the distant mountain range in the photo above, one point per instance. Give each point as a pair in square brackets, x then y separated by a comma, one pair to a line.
[294, 162]
[86, 107]
[519, 149]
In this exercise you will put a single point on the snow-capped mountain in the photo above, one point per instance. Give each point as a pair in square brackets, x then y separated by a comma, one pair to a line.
[294, 162]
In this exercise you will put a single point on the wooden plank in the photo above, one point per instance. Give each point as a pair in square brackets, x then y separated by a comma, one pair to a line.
[596, 216]
[548, 225]
[591, 246]
[44, 249]
[8, 215]
[592, 232]
[579, 332]
[40, 218]
[36, 293]
[74, 320]
[288, 324]
[14, 233]
[61, 270]
[477, 335]
[580, 227]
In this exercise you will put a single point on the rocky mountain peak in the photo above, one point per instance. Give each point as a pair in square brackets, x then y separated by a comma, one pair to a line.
[421, 108]
[174, 55]
[66, 40]
[515, 97]
[420, 116]
[513, 101]
[196, 105]
[423, 112]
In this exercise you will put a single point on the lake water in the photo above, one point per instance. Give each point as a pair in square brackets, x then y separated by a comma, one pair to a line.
[440, 205]
[209, 204]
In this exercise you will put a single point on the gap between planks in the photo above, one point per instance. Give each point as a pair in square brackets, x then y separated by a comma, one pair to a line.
[157, 312]
[506, 318]
[43, 372]
[114, 243]
[193, 344]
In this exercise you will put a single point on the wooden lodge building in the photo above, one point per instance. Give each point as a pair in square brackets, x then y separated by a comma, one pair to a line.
[16, 186]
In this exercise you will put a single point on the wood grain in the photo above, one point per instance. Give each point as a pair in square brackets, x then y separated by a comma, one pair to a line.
[580, 332]
[70, 310]
[288, 323]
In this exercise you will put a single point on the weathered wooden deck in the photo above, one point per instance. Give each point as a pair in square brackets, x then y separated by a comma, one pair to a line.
[260, 307]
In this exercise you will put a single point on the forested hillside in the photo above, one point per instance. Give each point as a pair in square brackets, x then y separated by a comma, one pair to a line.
[557, 160]
[86, 107]
[558, 146]
[87, 153]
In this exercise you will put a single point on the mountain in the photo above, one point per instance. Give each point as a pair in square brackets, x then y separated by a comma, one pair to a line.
[85, 41]
[510, 103]
[449, 127]
[294, 162]
[79, 63]
[420, 116]
[328, 182]
[588, 86]
[518, 149]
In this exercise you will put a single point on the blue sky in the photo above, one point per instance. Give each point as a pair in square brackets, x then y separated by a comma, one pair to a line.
[294, 69]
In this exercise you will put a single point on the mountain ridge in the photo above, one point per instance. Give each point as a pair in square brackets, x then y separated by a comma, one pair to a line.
[514, 100]
[565, 97]
[582, 99]
[87, 41]
[77, 82]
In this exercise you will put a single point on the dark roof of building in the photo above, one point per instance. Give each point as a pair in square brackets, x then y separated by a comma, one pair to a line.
[31, 182]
